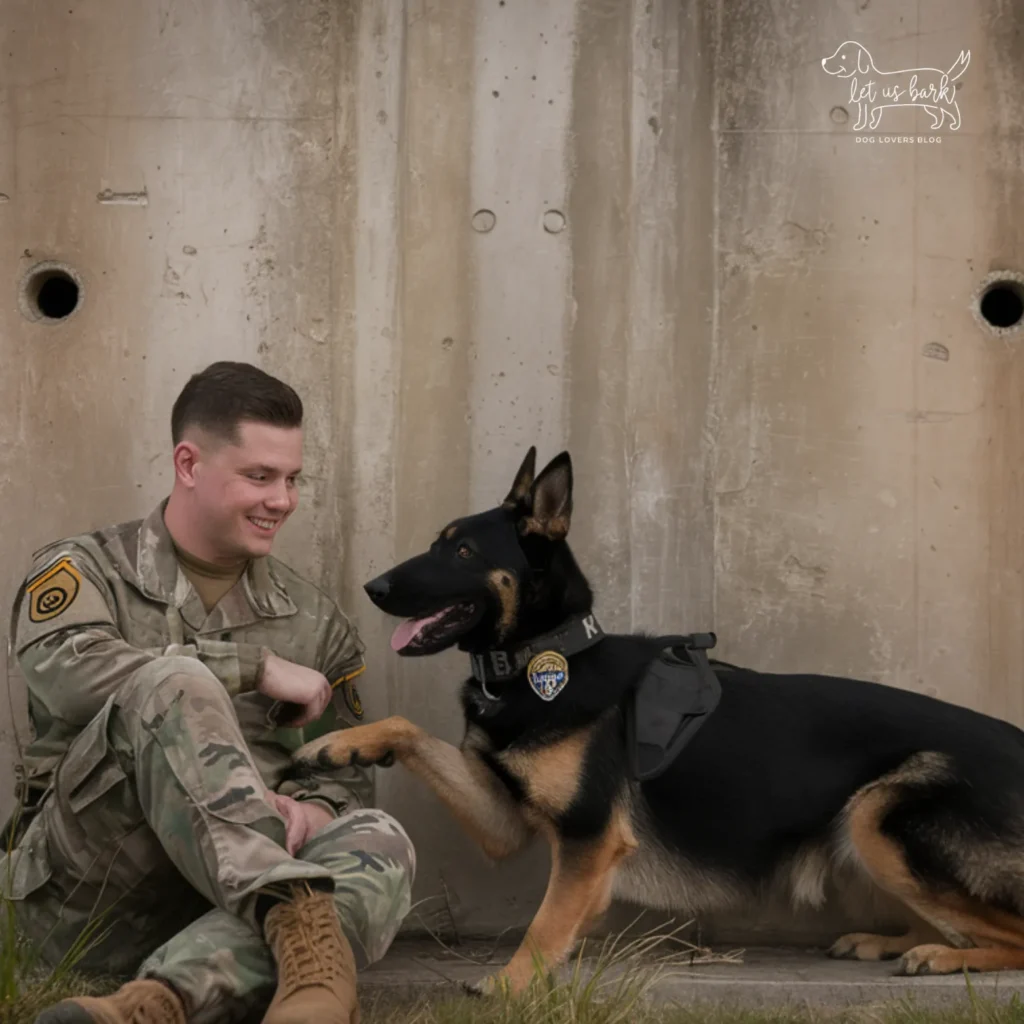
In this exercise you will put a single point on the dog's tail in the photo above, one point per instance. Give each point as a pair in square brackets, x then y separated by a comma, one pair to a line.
[959, 66]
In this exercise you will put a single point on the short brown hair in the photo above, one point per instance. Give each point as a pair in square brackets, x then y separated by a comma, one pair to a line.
[226, 394]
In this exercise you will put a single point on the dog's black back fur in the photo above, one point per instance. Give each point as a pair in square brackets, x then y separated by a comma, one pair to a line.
[775, 764]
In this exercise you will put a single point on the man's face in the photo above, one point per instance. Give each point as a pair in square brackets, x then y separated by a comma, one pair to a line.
[244, 492]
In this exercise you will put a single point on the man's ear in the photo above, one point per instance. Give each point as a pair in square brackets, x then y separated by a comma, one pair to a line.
[186, 458]
[551, 500]
[520, 491]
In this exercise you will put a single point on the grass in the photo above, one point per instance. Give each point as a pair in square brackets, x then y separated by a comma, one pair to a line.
[37, 992]
[422, 1009]
[27, 985]
[613, 987]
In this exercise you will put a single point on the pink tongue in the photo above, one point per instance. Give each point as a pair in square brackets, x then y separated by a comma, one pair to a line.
[407, 631]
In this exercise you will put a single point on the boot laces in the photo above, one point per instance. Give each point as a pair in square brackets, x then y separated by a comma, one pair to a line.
[309, 952]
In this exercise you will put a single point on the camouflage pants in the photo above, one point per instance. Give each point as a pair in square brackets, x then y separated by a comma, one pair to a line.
[157, 827]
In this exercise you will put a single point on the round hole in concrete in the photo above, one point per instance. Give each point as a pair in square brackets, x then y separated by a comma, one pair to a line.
[554, 221]
[50, 292]
[1001, 303]
[484, 221]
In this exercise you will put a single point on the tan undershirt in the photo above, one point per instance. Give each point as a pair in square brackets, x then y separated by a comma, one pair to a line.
[211, 581]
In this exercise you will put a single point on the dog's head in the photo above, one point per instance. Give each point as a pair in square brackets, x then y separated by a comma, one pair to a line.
[850, 59]
[490, 578]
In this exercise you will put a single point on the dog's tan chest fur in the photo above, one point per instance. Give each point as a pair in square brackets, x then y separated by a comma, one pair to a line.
[550, 776]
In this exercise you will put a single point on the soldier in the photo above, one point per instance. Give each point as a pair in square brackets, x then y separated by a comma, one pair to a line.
[160, 656]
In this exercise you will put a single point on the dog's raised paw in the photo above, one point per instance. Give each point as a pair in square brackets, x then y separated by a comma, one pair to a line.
[327, 760]
[357, 758]
[333, 757]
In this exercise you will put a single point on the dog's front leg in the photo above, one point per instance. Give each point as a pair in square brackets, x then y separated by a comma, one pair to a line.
[579, 891]
[475, 797]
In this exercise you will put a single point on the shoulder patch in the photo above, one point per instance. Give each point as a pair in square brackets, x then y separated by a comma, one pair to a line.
[53, 590]
[355, 705]
[350, 693]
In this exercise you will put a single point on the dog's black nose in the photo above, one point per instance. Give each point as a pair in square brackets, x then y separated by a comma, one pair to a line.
[378, 588]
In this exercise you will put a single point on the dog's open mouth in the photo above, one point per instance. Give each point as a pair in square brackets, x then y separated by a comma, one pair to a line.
[435, 632]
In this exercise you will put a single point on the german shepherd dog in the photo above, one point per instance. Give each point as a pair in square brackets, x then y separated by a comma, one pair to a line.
[794, 781]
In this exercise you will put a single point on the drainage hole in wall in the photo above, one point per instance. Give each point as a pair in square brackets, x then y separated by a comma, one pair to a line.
[1002, 303]
[50, 292]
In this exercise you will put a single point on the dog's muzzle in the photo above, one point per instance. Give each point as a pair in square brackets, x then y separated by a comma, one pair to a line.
[378, 588]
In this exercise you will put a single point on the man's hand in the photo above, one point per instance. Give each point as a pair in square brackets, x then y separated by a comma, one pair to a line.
[295, 684]
[302, 820]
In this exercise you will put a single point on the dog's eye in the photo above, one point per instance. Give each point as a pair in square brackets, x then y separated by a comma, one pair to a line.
[465, 551]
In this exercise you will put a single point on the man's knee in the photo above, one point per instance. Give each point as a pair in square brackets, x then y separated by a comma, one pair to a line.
[394, 843]
[367, 843]
[370, 833]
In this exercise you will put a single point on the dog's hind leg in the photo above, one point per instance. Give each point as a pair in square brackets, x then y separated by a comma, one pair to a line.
[865, 946]
[979, 937]
[579, 889]
[943, 960]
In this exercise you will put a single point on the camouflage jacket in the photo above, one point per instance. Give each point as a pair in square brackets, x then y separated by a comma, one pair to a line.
[96, 607]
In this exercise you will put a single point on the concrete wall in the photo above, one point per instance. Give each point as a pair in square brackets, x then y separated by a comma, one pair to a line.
[646, 231]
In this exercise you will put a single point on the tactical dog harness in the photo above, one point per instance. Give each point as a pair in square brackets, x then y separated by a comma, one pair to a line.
[577, 634]
[672, 701]
[664, 711]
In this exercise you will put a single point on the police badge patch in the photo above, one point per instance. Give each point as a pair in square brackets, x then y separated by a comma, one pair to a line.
[548, 673]
[53, 590]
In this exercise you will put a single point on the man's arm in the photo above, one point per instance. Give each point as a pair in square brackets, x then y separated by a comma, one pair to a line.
[72, 653]
[340, 658]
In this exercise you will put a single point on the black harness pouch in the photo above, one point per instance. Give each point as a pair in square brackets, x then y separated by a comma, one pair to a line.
[671, 702]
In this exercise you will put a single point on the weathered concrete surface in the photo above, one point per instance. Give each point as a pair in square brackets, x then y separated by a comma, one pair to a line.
[224, 137]
[760, 977]
[643, 230]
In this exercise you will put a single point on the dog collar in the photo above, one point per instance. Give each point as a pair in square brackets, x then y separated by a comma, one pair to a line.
[576, 634]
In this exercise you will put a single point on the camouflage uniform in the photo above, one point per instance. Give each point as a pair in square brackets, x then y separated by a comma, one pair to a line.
[151, 755]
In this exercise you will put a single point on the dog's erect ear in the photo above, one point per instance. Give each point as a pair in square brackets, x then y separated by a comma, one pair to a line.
[523, 482]
[551, 500]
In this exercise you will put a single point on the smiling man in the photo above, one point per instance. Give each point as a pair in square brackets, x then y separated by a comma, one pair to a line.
[172, 664]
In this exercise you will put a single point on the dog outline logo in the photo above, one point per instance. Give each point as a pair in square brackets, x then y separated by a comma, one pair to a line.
[874, 91]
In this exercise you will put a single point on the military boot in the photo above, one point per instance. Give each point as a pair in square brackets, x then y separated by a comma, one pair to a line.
[316, 971]
[139, 1002]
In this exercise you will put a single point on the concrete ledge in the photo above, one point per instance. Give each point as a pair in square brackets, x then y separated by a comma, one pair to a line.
[766, 977]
